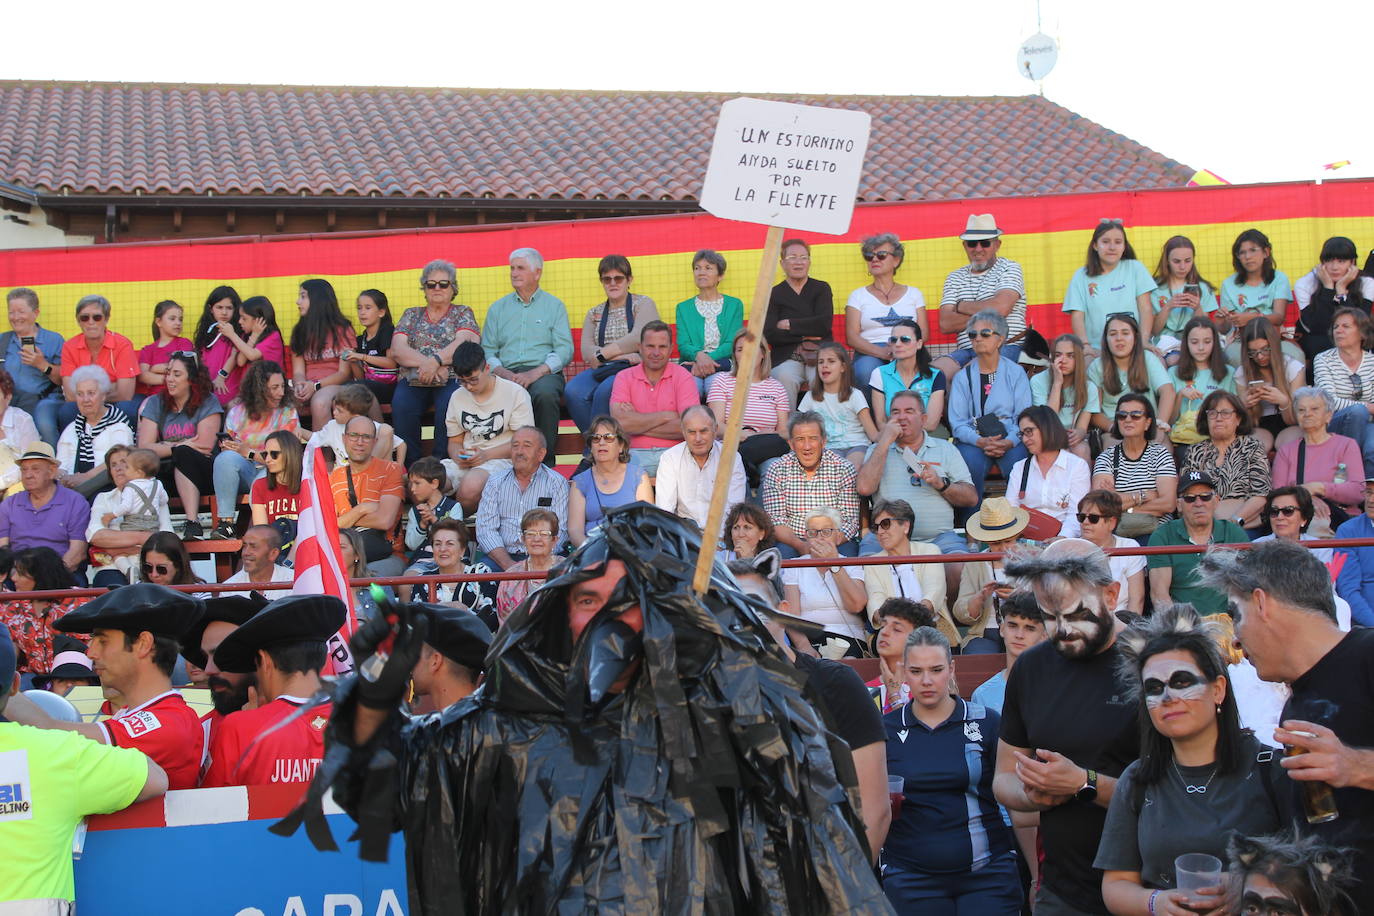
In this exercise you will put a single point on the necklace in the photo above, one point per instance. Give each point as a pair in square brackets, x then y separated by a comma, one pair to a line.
[1195, 790]
[885, 295]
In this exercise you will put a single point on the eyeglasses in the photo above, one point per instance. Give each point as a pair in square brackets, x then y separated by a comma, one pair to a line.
[886, 524]
[614, 278]
[1356, 387]
[978, 243]
[472, 378]
[1204, 497]
[1276, 511]
[880, 255]
[797, 257]
[1215, 414]
[1130, 414]
[272, 452]
[532, 535]
[162, 569]
[819, 532]
[91, 317]
[1092, 518]
[984, 332]
[902, 338]
[604, 437]
[1026, 432]
[438, 284]
[360, 437]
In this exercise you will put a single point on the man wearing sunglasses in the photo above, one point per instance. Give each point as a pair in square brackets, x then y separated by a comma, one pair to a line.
[985, 282]
[1174, 577]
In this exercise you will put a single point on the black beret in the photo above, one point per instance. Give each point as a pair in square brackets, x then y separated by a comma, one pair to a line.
[458, 634]
[235, 609]
[296, 618]
[158, 609]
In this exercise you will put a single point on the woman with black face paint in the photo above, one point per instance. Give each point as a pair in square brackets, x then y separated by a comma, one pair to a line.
[1200, 778]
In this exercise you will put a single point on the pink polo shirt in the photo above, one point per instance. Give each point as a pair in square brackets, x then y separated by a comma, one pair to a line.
[675, 391]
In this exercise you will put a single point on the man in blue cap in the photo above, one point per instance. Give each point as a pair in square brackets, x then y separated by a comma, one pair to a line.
[49, 781]
[136, 634]
[284, 645]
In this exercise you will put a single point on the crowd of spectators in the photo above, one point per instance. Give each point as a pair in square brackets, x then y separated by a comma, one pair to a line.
[1177, 413]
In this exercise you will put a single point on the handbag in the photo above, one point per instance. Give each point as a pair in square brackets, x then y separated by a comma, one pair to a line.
[606, 370]
[988, 425]
[808, 351]
[1042, 525]
[376, 545]
[1132, 524]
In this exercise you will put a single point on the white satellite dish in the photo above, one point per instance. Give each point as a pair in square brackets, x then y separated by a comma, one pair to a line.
[1037, 56]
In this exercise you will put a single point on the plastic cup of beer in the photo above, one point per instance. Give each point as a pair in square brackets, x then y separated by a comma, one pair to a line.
[896, 791]
[1194, 871]
[1318, 799]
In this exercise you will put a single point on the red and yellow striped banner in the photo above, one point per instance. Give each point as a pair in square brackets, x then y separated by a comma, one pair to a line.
[1047, 235]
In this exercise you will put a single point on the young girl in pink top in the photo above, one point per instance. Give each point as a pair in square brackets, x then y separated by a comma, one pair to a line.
[167, 339]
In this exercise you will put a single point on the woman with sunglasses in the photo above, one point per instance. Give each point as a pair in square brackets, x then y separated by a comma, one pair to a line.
[1347, 372]
[1200, 779]
[1111, 282]
[1258, 289]
[1138, 469]
[264, 406]
[1125, 365]
[1267, 389]
[1064, 389]
[610, 341]
[96, 345]
[274, 496]
[612, 480]
[1099, 512]
[872, 310]
[919, 582]
[1233, 458]
[1289, 511]
[909, 370]
[1050, 478]
[986, 397]
[423, 346]
[164, 561]
[180, 426]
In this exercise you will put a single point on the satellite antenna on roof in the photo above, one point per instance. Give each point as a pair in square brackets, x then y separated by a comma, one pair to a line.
[1037, 55]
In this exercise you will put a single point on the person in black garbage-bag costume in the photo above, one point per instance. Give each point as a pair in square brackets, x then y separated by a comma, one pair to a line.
[635, 748]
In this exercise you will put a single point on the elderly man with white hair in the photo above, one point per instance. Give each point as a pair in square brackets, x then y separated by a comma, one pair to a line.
[1068, 728]
[528, 341]
[99, 426]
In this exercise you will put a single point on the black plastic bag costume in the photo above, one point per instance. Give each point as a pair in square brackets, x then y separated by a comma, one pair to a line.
[709, 785]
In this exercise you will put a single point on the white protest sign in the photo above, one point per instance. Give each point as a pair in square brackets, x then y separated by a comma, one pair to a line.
[780, 164]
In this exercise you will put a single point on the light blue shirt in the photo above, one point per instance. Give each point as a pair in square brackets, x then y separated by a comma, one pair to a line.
[1101, 401]
[1010, 394]
[1112, 293]
[1179, 317]
[29, 383]
[520, 334]
[1238, 298]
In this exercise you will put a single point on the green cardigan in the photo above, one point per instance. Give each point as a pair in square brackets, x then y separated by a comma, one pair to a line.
[691, 329]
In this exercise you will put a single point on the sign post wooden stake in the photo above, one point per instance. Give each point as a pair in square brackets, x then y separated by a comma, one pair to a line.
[744, 379]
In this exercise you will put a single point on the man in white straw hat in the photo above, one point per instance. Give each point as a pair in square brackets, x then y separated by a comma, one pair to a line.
[985, 282]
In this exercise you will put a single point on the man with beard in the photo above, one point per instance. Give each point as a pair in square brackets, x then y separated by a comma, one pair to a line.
[636, 748]
[1068, 729]
[985, 282]
[283, 645]
[228, 692]
[136, 633]
[452, 657]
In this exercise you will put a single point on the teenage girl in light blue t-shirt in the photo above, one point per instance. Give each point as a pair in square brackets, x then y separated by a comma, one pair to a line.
[1179, 296]
[1257, 287]
[1111, 282]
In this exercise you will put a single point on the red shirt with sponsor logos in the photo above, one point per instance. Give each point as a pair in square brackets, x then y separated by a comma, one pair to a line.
[290, 754]
[167, 730]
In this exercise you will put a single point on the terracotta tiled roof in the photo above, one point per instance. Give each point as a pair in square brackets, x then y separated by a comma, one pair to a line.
[117, 138]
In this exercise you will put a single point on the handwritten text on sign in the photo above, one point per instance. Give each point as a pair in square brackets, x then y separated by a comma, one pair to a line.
[780, 164]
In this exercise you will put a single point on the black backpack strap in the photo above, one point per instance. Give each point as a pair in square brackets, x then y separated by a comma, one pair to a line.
[1302, 460]
[1025, 477]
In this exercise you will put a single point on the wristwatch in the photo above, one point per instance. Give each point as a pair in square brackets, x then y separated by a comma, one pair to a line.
[945, 482]
[600, 357]
[1089, 791]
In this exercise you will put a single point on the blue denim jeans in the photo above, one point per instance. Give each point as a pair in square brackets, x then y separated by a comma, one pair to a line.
[408, 406]
[587, 398]
[234, 476]
[978, 463]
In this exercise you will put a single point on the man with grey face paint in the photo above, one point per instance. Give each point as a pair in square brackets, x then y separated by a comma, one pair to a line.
[1068, 727]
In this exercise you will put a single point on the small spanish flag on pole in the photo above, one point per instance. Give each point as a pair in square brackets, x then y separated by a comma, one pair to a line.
[1204, 178]
[1332, 166]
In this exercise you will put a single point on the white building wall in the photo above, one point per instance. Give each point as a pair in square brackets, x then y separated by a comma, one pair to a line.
[37, 233]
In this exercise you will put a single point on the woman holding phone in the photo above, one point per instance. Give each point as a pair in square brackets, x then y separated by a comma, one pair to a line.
[1181, 296]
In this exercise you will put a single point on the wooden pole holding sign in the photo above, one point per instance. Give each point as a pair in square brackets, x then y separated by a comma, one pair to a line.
[783, 166]
[744, 380]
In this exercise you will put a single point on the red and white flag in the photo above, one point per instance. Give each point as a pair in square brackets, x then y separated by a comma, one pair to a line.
[319, 561]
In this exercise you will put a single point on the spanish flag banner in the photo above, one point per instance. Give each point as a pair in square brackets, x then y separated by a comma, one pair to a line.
[1047, 235]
